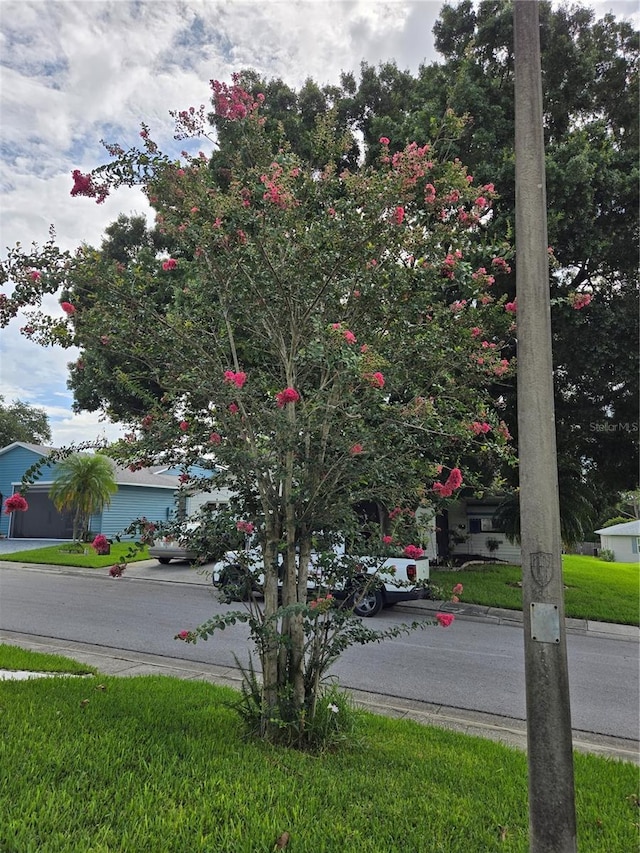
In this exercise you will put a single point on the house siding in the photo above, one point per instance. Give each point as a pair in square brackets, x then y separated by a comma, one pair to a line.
[622, 547]
[131, 502]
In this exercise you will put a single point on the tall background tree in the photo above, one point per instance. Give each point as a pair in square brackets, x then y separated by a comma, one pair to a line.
[83, 485]
[22, 422]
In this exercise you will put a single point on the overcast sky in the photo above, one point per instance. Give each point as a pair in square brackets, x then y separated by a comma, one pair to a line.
[73, 72]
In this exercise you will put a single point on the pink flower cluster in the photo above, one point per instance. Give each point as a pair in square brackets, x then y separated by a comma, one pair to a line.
[100, 544]
[233, 102]
[356, 449]
[117, 570]
[68, 308]
[413, 552]
[15, 503]
[480, 428]
[185, 636]
[376, 379]
[453, 482]
[215, 438]
[398, 215]
[444, 619]
[500, 265]
[580, 300]
[84, 185]
[245, 527]
[322, 604]
[348, 335]
[238, 379]
[287, 395]
[169, 264]
[184, 425]
[511, 307]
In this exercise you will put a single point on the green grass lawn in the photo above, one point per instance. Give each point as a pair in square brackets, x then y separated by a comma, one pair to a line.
[594, 589]
[157, 764]
[15, 658]
[60, 555]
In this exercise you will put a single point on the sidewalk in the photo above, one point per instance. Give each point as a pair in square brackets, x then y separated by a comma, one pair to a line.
[506, 730]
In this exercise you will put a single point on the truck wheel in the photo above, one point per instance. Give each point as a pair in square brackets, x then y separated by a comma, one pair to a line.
[367, 602]
[234, 584]
[164, 561]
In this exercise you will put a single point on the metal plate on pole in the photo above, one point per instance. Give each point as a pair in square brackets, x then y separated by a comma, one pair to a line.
[545, 622]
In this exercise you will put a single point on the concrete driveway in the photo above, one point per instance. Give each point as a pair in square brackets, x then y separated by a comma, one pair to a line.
[12, 546]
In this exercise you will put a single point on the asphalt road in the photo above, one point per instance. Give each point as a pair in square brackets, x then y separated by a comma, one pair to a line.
[473, 665]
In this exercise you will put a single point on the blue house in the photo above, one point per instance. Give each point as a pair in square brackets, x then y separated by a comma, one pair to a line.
[150, 492]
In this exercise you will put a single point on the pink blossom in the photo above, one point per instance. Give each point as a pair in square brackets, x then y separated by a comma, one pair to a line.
[184, 425]
[501, 369]
[481, 202]
[580, 300]
[413, 552]
[349, 337]
[364, 348]
[15, 503]
[501, 265]
[238, 379]
[84, 185]
[398, 216]
[356, 293]
[503, 429]
[388, 540]
[442, 490]
[511, 307]
[476, 331]
[68, 308]
[117, 570]
[458, 589]
[34, 275]
[454, 480]
[183, 478]
[233, 408]
[171, 264]
[429, 193]
[183, 635]
[479, 428]
[376, 379]
[445, 619]
[356, 449]
[287, 395]
[245, 526]
[384, 140]
[215, 438]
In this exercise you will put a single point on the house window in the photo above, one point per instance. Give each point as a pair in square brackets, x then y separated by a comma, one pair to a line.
[635, 545]
[482, 525]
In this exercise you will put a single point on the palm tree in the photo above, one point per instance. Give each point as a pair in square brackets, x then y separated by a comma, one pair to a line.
[83, 484]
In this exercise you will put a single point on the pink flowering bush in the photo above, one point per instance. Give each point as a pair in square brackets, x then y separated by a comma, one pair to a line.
[101, 544]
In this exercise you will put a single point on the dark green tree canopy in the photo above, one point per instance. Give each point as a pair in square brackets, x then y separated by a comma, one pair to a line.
[20, 421]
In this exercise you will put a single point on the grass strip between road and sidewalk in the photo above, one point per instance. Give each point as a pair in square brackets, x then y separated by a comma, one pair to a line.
[156, 763]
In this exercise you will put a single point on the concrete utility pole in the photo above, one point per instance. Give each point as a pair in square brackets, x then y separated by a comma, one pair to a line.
[552, 820]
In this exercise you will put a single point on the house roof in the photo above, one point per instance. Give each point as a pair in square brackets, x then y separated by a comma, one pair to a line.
[155, 476]
[626, 528]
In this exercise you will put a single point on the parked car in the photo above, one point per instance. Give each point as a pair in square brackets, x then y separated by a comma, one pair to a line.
[377, 583]
[165, 550]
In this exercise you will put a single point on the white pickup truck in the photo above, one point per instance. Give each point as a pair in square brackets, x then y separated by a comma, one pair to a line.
[378, 582]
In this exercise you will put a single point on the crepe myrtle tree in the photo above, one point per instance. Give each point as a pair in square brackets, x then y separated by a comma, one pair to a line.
[321, 337]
